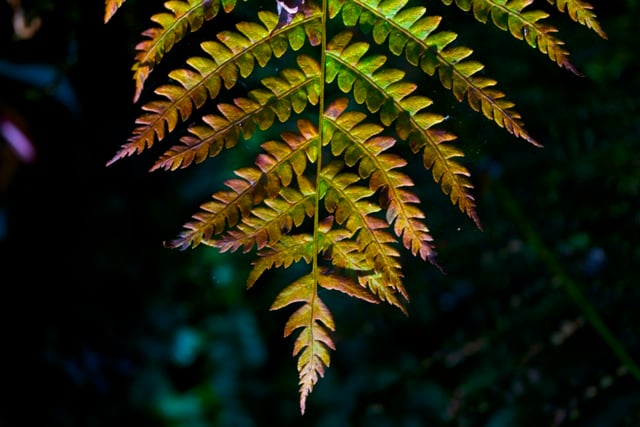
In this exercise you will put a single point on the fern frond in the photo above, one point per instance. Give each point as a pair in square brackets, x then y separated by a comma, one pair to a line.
[581, 12]
[225, 210]
[184, 17]
[203, 80]
[511, 17]
[372, 286]
[268, 223]
[348, 217]
[290, 91]
[351, 205]
[361, 144]
[314, 341]
[439, 156]
[234, 55]
[229, 207]
[386, 90]
[408, 30]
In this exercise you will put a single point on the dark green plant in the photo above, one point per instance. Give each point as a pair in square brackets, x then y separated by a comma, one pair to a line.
[330, 190]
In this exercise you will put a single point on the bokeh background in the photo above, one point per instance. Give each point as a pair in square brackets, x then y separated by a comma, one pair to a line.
[535, 322]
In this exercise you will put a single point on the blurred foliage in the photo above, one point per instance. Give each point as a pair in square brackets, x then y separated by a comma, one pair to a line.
[102, 326]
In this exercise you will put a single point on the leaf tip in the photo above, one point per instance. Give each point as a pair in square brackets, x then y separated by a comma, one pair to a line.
[432, 258]
[303, 403]
[112, 161]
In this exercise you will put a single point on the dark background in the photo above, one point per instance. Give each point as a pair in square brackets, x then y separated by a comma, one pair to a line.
[102, 326]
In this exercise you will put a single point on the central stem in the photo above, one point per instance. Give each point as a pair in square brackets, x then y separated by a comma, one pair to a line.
[316, 217]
